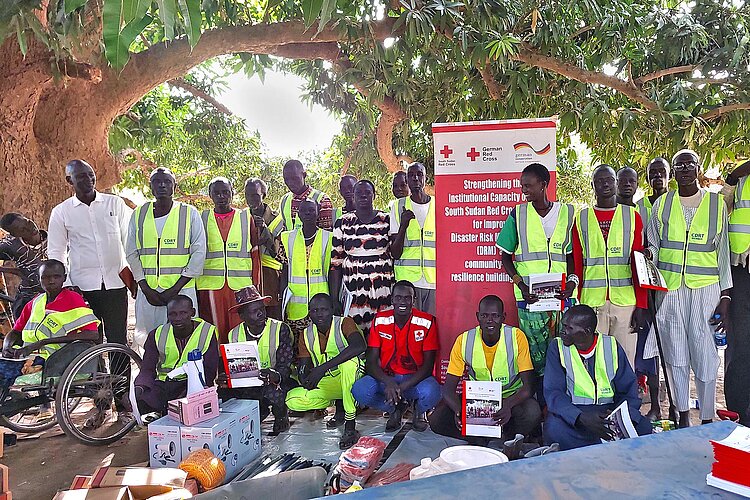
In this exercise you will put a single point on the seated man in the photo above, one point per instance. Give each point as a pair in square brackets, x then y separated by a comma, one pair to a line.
[275, 351]
[329, 365]
[51, 318]
[586, 377]
[402, 346]
[167, 348]
[492, 351]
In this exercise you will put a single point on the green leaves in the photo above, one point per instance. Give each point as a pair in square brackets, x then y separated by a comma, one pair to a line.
[122, 22]
[168, 16]
[191, 14]
[71, 5]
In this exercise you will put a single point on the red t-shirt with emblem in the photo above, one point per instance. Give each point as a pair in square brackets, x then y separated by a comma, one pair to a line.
[402, 349]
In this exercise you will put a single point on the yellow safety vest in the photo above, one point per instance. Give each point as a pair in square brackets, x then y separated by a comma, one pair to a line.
[505, 365]
[644, 207]
[43, 324]
[739, 219]
[228, 261]
[305, 278]
[170, 356]
[582, 389]
[268, 343]
[606, 266]
[534, 254]
[336, 343]
[418, 256]
[163, 258]
[284, 221]
[689, 253]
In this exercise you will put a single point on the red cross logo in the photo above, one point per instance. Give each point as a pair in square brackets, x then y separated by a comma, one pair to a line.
[446, 151]
[473, 154]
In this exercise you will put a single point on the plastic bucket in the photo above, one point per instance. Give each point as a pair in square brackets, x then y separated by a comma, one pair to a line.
[470, 457]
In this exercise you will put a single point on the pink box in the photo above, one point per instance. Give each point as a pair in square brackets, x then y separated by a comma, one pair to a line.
[195, 408]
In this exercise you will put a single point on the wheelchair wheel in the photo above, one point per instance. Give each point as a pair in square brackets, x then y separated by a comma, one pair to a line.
[31, 420]
[92, 391]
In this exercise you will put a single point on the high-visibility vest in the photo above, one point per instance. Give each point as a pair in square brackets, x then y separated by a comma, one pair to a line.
[418, 256]
[534, 254]
[644, 207]
[163, 258]
[739, 219]
[43, 324]
[284, 221]
[227, 261]
[268, 343]
[582, 389]
[336, 343]
[689, 253]
[170, 356]
[505, 365]
[606, 266]
[305, 278]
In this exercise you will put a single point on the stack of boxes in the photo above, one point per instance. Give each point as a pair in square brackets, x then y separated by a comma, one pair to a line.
[233, 436]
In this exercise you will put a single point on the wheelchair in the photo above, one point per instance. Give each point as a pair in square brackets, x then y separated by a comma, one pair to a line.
[79, 386]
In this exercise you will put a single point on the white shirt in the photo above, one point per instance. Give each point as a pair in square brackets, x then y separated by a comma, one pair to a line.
[90, 240]
[420, 214]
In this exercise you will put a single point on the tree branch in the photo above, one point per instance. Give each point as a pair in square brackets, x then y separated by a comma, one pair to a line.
[348, 161]
[664, 72]
[531, 56]
[188, 87]
[494, 89]
[722, 110]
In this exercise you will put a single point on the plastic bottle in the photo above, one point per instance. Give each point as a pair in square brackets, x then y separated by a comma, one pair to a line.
[720, 336]
[423, 470]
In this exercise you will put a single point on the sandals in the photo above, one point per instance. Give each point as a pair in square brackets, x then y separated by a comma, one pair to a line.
[336, 421]
[348, 439]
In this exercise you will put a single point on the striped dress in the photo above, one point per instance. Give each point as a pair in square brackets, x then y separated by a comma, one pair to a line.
[363, 253]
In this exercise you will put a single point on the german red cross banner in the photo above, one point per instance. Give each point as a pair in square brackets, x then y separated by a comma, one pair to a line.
[477, 184]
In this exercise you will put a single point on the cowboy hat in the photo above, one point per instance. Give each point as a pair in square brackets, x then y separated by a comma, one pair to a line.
[247, 295]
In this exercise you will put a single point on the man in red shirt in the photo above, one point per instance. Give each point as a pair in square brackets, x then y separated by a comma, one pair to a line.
[620, 303]
[401, 352]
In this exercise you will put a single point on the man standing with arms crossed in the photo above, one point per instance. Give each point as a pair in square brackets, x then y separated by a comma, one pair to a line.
[295, 179]
[413, 239]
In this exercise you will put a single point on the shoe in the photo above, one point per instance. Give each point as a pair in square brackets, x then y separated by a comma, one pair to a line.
[336, 421]
[654, 414]
[95, 421]
[348, 439]
[394, 420]
[419, 422]
[280, 424]
[512, 447]
[45, 414]
[318, 414]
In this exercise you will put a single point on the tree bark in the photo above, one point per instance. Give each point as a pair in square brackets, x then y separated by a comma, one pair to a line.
[44, 123]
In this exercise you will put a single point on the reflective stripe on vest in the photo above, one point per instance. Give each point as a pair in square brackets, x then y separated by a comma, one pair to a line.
[581, 388]
[43, 324]
[163, 258]
[305, 279]
[644, 207]
[698, 263]
[335, 344]
[418, 256]
[227, 261]
[337, 213]
[505, 365]
[606, 266]
[739, 219]
[170, 356]
[284, 221]
[534, 254]
[268, 342]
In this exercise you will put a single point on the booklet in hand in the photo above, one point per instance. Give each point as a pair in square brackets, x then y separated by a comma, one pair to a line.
[649, 276]
[481, 401]
[241, 364]
[546, 287]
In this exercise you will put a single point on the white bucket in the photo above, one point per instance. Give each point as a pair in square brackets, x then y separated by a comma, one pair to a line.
[470, 457]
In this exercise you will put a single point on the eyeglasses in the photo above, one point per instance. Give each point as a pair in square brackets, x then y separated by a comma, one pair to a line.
[691, 165]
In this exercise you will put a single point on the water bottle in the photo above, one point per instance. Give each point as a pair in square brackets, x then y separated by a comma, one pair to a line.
[720, 335]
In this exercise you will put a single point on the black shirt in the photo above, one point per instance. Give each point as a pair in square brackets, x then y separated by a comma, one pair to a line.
[27, 259]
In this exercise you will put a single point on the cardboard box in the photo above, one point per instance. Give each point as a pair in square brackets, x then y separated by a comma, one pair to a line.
[6, 496]
[164, 448]
[80, 482]
[195, 408]
[234, 436]
[95, 494]
[4, 471]
[104, 477]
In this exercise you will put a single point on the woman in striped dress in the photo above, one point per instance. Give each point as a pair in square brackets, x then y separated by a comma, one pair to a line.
[361, 258]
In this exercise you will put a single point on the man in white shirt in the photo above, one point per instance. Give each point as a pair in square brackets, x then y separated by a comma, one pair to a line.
[87, 233]
[165, 249]
[413, 243]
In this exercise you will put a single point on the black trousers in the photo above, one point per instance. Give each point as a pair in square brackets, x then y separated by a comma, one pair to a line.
[525, 417]
[111, 307]
[737, 355]
[20, 301]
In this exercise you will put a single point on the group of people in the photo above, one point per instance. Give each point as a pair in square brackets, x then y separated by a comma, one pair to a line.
[341, 300]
